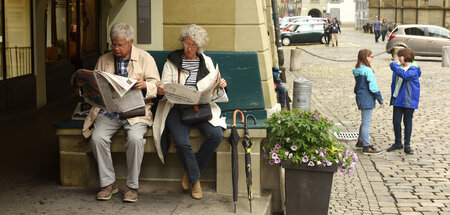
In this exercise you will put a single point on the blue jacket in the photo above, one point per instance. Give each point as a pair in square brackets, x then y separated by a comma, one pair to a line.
[408, 95]
[366, 88]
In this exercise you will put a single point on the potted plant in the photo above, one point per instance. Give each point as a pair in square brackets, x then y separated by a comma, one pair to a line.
[304, 144]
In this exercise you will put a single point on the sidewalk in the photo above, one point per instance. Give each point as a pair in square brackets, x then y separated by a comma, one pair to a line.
[390, 183]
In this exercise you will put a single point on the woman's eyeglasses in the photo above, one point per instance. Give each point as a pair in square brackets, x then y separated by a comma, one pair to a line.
[192, 46]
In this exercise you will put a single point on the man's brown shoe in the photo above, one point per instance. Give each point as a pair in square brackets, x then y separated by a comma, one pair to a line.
[107, 192]
[130, 195]
[197, 190]
[185, 181]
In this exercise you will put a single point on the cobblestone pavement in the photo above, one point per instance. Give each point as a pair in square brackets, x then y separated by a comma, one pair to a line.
[392, 182]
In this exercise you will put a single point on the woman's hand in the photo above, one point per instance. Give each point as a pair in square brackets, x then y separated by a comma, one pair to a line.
[140, 84]
[223, 83]
[160, 90]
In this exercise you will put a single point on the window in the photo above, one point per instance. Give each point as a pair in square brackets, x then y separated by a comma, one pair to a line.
[56, 43]
[15, 41]
[439, 33]
[416, 31]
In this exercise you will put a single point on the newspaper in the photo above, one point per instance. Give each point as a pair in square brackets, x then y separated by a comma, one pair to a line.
[180, 94]
[110, 92]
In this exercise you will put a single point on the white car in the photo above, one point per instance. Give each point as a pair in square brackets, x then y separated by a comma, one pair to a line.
[424, 40]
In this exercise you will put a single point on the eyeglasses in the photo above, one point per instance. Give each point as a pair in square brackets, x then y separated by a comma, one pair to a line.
[119, 46]
[192, 46]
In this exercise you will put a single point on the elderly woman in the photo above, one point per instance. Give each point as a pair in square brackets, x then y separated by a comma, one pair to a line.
[191, 68]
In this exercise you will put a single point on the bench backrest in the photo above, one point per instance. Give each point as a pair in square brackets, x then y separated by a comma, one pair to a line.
[241, 70]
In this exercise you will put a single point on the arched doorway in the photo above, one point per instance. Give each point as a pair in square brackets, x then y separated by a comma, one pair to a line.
[315, 13]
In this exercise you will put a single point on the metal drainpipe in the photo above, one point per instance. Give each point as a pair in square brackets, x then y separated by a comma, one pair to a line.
[276, 23]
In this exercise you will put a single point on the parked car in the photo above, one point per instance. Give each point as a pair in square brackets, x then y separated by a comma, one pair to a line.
[424, 40]
[304, 33]
[287, 19]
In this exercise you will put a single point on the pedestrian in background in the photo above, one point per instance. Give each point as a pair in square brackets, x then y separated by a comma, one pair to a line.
[366, 90]
[405, 93]
[376, 28]
[335, 29]
[327, 32]
[384, 28]
[279, 87]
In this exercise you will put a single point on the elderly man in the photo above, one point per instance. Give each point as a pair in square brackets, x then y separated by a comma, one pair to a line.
[128, 61]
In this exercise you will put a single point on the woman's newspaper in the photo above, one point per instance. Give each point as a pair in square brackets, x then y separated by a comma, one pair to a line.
[109, 92]
[180, 94]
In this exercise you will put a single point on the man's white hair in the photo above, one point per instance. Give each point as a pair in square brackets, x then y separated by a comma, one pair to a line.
[197, 34]
[121, 30]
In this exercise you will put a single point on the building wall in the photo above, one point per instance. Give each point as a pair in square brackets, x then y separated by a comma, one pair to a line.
[432, 12]
[347, 10]
[309, 5]
[241, 26]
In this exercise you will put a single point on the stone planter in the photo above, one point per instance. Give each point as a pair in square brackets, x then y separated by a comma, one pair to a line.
[308, 189]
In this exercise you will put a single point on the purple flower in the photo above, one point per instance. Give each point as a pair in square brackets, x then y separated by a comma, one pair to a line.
[274, 155]
[343, 171]
[272, 150]
[321, 155]
[317, 152]
[337, 160]
[305, 159]
[277, 147]
[294, 148]
[286, 153]
[271, 162]
[319, 162]
[266, 156]
[287, 139]
[290, 155]
[328, 162]
[277, 160]
[310, 163]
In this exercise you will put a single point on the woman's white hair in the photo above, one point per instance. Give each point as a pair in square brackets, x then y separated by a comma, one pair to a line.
[121, 30]
[197, 34]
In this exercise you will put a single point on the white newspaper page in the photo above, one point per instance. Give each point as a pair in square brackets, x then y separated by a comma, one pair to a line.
[121, 84]
[113, 101]
[180, 94]
[214, 92]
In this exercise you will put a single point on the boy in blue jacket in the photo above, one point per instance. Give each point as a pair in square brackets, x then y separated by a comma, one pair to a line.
[279, 87]
[405, 93]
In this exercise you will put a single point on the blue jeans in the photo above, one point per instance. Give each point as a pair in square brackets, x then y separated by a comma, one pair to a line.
[407, 114]
[377, 35]
[193, 164]
[366, 119]
[281, 94]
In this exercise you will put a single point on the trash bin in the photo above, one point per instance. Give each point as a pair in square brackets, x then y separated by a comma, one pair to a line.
[302, 94]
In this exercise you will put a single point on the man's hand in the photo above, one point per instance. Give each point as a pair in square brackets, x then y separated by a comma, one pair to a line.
[160, 90]
[223, 83]
[140, 84]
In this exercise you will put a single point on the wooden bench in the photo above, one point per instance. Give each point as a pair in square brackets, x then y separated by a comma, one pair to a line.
[241, 70]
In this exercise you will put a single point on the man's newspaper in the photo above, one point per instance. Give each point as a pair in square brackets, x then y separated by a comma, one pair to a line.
[110, 92]
[180, 94]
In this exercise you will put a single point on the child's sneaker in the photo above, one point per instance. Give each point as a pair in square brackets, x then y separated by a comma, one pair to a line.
[370, 150]
[359, 144]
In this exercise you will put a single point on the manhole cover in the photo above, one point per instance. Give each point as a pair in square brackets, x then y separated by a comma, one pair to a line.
[346, 135]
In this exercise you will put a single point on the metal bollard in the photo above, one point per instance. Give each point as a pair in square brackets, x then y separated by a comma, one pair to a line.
[446, 56]
[302, 94]
[295, 59]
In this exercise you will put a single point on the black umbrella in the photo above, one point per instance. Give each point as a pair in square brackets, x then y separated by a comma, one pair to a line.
[234, 140]
[247, 143]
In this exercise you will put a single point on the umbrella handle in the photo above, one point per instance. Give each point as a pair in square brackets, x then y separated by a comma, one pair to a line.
[234, 117]
[246, 122]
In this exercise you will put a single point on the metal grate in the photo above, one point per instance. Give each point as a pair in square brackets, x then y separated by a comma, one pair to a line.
[346, 135]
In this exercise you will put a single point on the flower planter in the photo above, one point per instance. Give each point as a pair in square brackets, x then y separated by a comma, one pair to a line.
[308, 188]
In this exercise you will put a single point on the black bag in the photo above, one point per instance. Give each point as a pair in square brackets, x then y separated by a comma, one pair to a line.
[193, 114]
